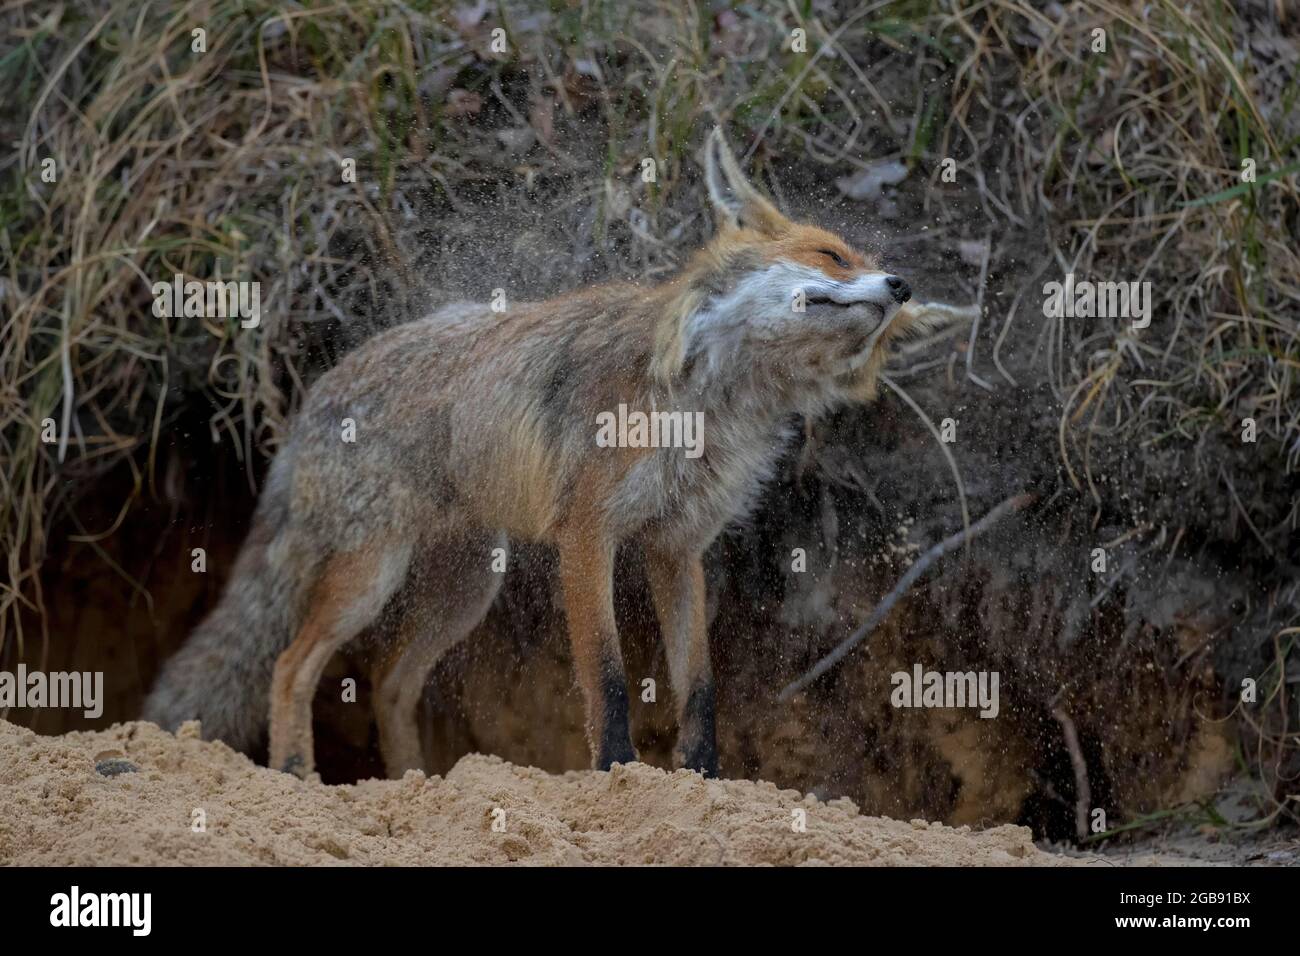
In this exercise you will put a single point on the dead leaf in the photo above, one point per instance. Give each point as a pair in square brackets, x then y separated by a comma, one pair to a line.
[871, 182]
[463, 103]
[468, 17]
[541, 116]
[972, 251]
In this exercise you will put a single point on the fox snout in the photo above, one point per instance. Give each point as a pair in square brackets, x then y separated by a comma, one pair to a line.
[870, 289]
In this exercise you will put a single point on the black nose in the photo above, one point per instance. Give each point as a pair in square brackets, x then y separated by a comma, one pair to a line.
[899, 289]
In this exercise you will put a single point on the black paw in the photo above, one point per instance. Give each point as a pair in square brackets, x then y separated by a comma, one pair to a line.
[615, 735]
[295, 765]
[697, 747]
[702, 757]
[612, 752]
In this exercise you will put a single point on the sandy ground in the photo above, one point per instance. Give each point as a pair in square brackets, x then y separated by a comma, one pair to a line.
[131, 794]
[59, 809]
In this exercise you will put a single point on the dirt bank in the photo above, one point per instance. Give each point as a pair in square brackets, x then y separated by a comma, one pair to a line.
[59, 809]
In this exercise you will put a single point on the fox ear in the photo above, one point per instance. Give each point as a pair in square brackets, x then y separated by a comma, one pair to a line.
[735, 200]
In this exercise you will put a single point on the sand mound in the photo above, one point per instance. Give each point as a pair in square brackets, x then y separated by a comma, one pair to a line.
[128, 795]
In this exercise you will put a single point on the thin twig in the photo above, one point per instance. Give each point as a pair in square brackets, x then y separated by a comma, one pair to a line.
[943, 446]
[1244, 513]
[1015, 503]
[1082, 790]
[979, 311]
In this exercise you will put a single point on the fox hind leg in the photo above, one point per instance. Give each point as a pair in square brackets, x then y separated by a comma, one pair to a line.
[452, 584]
[348, 595]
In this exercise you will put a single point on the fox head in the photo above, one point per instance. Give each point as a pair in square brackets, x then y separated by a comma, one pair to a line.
[795, 299]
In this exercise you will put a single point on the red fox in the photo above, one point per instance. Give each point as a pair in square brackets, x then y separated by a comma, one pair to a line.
[474, 428]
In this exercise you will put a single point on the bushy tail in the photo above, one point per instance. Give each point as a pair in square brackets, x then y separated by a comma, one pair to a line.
[222, 675]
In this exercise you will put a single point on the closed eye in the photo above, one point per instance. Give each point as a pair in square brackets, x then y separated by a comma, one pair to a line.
[834, 257]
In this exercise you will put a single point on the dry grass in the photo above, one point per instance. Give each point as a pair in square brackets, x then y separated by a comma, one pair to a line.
[227, 164]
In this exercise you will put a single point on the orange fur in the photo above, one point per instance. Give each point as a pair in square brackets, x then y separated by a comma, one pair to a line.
[474, 427]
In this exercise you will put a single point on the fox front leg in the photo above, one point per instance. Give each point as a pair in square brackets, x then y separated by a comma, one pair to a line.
[587, 581]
